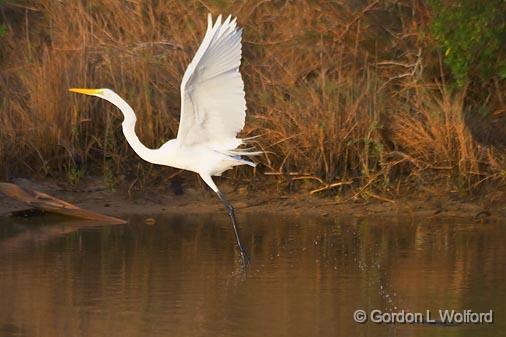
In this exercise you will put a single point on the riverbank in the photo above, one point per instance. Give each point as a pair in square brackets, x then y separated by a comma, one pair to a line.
[93, 195]
[331, 97]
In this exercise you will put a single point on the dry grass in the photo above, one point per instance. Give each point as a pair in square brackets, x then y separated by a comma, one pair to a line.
[335, 98]
[436, 138]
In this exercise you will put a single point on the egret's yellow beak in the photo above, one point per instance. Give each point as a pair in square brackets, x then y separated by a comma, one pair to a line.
[92, 92]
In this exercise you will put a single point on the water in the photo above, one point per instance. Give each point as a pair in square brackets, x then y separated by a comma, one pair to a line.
[182, 276]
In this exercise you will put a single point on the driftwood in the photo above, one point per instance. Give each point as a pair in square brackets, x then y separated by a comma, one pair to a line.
[47, 203]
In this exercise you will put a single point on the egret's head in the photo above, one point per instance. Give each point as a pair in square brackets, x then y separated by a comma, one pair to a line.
[103, 93]
[108, 95]
[91, 92]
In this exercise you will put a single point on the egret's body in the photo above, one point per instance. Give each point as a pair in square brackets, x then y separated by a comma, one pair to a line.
[213, 111]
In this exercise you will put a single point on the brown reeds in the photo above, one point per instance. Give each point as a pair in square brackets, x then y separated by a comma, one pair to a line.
[337, 92]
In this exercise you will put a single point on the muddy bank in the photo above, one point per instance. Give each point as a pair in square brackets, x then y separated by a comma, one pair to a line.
[95, 196]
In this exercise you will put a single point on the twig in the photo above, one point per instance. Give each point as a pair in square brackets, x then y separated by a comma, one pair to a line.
[286, 174]
[356, 18]
[329, 186]
[369, 193]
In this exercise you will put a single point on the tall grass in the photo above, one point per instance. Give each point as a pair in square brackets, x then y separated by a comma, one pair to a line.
[339, 93]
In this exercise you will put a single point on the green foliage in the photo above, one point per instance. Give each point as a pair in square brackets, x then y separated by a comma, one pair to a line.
[472, 34]
[74, 174]
[110, 178]
[3, 29]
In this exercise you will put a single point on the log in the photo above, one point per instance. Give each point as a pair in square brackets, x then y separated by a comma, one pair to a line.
[47, 203]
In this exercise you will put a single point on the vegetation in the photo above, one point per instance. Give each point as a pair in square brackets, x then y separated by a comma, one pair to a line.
[348, 99]
[2, 27]
[472, 34]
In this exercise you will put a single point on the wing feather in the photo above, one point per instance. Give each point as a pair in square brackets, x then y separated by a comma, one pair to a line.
[213, 107]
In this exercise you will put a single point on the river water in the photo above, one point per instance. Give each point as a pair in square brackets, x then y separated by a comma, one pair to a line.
[182, 277]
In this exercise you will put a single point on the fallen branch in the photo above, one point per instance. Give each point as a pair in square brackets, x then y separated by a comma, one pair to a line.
[51, 204]
[330, 186]
[369, 193]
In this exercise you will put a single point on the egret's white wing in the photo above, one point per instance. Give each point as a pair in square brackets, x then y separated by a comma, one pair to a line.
[213, 107]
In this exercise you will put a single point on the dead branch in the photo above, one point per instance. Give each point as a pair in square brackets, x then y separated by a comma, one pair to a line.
[51, 204]
[330, 186]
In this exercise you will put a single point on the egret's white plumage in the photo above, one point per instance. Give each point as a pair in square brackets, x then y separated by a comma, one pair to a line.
[213, 107]
[213, 111]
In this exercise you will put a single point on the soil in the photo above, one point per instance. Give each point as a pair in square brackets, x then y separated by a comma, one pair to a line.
[94, 195]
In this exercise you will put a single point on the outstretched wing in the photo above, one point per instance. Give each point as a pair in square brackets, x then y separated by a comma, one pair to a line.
[213, 107]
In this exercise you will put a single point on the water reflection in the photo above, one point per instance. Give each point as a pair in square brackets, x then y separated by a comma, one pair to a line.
[181, 277]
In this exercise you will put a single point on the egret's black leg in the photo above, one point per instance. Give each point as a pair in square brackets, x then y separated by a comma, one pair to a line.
[231, 213]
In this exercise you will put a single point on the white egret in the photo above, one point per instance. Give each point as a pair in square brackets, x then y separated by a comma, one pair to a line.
[213, 111]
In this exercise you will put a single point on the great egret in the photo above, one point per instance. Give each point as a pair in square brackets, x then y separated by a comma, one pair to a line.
[213, 110]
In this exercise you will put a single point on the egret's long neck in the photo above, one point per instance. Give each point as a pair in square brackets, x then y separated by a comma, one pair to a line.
[129, 128]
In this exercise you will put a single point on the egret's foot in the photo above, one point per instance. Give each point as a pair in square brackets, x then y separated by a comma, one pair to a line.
[245, 260]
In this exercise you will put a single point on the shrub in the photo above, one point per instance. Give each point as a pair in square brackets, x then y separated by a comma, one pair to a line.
[472, 36]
